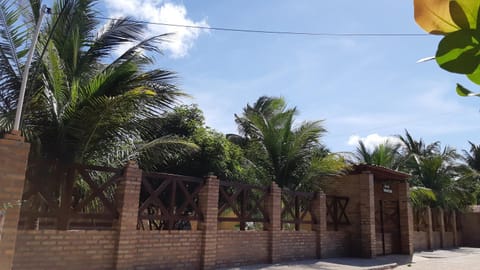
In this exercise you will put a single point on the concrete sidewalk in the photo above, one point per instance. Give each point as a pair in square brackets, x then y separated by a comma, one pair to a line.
[380, 263]
[461, 258]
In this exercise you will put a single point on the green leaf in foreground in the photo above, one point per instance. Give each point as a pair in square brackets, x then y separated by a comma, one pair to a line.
[475, 76]
[464, 92]
[465, 13]
[459, 52]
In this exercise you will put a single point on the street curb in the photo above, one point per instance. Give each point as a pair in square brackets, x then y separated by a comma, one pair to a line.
[384, 267]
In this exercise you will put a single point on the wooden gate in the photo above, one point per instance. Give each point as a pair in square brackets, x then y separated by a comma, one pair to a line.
[387, 225]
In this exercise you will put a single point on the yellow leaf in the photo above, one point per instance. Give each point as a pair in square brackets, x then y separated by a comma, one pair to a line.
[141, 90]
[470, 9]
[434, 16]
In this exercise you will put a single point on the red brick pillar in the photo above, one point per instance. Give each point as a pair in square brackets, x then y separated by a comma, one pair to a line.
[406, 218]
[454, 228]
[274, 225]
[208, 203]
[128, 192]
[13, 164]
[429, 228]
[367, 215]
[319, 211]
[442, 227]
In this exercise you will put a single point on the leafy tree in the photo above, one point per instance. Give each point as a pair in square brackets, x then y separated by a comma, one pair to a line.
[458, 21]
[182, 121]
[213, 153]
[290, 155]
[85, 102]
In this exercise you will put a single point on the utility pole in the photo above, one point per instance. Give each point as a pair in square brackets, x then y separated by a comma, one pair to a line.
[44, 10]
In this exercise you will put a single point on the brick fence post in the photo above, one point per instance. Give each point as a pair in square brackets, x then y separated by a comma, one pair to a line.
[429, 228]
[208, 203]
[442, 227]
[13, 165]
[127, 196]
[274, 225]
[367, 215]
[406, 218]
[454, 228]
[319, 212]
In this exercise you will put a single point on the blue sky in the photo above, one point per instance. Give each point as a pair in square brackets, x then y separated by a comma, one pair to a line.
[360, 86]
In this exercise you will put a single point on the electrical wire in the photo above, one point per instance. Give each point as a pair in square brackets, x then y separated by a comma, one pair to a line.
[271, 32]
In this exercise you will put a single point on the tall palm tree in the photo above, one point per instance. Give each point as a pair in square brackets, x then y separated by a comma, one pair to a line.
[385, 154]
[85, 101]
[285, 153]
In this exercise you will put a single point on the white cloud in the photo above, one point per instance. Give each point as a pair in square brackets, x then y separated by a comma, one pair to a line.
[372, 140]
[160, 11]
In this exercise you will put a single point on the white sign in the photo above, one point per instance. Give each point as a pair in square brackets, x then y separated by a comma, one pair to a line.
[387, 189]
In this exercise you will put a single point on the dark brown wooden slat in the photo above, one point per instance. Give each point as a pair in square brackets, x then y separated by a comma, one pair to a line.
[96, 192]
[154, 194]
[230, 201]
[189, 200]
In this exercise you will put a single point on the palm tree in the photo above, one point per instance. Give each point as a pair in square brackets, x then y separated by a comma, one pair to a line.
[472, 170]
[282, 152]
[85, 101]
[472, 157]
[386, 154]
[437, 169]
[418, 147]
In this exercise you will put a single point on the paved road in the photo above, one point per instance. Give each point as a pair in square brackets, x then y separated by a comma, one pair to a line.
[462, 258]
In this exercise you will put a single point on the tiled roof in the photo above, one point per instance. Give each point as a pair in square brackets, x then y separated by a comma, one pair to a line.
[380, 172]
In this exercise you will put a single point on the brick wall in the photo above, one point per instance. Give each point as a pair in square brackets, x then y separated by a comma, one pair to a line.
[72, 250]
[338, 244]
[420, 240]
[389, 243]
[168, 250]
[445, 235]
[348, 186]
[448, 241]
[13, 163]
[126, 248]
[436, 240]
[470, 226]
[94, 250]
[297, 245]
[235, 248]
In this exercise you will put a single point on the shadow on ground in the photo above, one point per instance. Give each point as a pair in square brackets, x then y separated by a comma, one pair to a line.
[384, 262]
[438, 259]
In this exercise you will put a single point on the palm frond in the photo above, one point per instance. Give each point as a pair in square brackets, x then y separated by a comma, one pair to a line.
[421, 196]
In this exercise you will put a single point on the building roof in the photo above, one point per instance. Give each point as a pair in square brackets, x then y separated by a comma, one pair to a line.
[380, 172]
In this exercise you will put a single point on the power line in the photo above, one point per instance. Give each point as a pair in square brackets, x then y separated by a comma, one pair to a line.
[272, 32]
